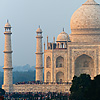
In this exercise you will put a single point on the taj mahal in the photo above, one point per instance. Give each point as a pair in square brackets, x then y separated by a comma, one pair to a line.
[65, 57]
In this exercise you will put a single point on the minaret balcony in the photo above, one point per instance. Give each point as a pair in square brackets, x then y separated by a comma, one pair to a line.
[7, 51]
[7, 32]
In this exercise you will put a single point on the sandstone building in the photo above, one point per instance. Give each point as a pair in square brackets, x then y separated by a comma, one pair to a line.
[70, 55]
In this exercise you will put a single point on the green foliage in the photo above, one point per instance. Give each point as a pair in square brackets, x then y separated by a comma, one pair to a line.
[79, 86]
[83, 88]
[93, 92]
[1, 79]
[2, 92]
[23, 76]
[20, 76]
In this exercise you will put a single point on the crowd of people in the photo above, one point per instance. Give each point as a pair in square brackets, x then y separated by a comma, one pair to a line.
[36, 96]
[40, 82]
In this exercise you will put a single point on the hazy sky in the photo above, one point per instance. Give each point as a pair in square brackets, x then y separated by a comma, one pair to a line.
[25, 16]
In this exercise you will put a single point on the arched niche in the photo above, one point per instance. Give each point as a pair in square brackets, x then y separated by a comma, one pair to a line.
[59, 62]
[48, 77]
[60, 77]
[48, 62]
[84, 64]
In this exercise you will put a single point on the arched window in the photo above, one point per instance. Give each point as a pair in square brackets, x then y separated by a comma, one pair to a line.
[51, 45]
[59, 62]
[60, 77]
[84, 64]
[62, 45]
[58, 45]
[65, 45]
[48, 77]
[48, 62]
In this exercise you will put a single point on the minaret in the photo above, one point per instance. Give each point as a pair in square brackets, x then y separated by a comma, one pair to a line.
[7, 85]
[39, 53]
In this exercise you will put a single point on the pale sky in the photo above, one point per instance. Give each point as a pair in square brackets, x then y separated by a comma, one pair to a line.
[25, 16]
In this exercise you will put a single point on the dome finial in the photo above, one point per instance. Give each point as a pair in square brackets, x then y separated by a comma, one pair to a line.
[7, 21]
[63, 29]
[7, 24]
[39, 30]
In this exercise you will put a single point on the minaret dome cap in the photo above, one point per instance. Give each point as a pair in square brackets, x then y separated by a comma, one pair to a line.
[7, 25]
[39, 30]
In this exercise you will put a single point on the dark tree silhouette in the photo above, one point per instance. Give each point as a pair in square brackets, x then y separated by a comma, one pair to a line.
[2, 92]
[93, 92]
[79, 86]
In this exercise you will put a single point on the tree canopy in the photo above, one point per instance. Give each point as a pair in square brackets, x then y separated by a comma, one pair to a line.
[83, 88]
[93, 92]
[2, 92]
[79, 87]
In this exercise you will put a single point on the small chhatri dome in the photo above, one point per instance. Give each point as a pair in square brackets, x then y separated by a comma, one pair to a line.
[86, 19]
[39, 30]
[63, 36]
[7, 25]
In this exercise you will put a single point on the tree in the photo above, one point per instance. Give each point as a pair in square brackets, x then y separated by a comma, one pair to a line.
[79, 86]
[93, 92]
[2, 92]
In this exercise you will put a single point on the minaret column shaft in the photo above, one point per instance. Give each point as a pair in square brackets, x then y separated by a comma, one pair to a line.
[39, 56]
[39, 60]
[7, 60]
[39, 44]
[8, 81]
[8, 42]
[7, 76]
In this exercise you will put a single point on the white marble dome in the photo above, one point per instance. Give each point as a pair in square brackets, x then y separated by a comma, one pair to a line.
[86, 19]
[63, 36]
